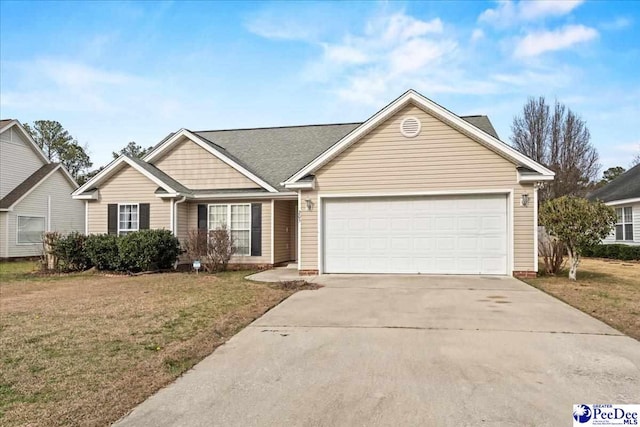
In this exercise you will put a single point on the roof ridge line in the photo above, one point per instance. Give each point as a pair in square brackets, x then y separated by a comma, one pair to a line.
[280, 127]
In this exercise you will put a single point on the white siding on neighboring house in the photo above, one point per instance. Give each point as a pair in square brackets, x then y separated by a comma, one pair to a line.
[62, 213]
[18, 160]
[3, 234]
[611, 238]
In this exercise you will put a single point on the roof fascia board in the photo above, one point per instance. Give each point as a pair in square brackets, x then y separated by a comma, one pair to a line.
[432, 108]
[28, 137]
[111, 168]
[304, 185]
[279, 195]
[217, 153]
[623, 201]
[33, 187]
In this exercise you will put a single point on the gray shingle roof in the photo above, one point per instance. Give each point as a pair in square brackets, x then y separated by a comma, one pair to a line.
[25, 186]
[274, 154]
[626, 186]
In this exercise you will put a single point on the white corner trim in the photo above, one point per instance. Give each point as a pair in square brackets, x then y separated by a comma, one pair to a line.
[36, 185]
[299, 225]
[217, 153]
[432, 108]
[623, 201]
[535, 228]
[111, 168]
[273, 227]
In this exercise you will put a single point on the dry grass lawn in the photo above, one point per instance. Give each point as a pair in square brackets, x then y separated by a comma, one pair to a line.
[608, 290]
[84, 349]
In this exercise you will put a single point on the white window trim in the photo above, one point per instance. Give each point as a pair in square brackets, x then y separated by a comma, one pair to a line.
[228, 206]
[138, 210]
[18, 243]
[622, 222]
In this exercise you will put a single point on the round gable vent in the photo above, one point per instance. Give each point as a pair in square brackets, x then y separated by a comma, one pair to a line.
[410, 127]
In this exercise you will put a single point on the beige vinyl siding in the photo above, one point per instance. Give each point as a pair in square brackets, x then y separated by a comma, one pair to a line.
[293, 236]
[128, 186]
[265, 258]
[283, 230]
[67, 215]
[441, 158]
[18, 160]
[182, 221]
[196, 168]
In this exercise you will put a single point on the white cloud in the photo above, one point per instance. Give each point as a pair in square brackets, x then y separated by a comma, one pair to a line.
[539, 42]
[476, 35]
[620, 23]
[344, 54]
[509, 13]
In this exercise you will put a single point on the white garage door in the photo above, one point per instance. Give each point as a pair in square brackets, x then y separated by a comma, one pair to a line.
[430, 235]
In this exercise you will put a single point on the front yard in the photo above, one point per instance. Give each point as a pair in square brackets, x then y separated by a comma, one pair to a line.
[84, 349]
[608, 290]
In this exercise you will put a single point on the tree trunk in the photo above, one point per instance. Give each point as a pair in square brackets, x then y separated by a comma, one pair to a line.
[574, 261]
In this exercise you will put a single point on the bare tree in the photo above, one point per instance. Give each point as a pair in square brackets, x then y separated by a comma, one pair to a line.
[636, 158]
[559, 139]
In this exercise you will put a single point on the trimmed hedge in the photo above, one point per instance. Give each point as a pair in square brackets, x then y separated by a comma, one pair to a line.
[144, 250]
[102, 250]
[614, 251]
[148, 250]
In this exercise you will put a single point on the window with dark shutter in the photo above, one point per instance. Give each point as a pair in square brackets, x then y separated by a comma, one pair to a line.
[144, 216]
[112, 218]
[256, 229]
[202, 217]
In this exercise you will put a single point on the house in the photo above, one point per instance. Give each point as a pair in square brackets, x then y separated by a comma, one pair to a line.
[35, 195]
[413, 189]
[623, 193]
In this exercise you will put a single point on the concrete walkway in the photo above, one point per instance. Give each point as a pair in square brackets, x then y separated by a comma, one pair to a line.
[406, 350]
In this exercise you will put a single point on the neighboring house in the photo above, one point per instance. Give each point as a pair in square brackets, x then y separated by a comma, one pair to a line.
[623, 193]
[414, 189]
[35, 195]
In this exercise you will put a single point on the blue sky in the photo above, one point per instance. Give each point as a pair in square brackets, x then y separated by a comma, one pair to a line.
[115, 72]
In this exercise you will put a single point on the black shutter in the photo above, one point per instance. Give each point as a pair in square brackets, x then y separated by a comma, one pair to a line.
[202, 217]
[144, 216]
[112, 218]
[256, 229]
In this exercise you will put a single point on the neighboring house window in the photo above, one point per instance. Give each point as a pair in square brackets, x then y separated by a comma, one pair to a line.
[237, 219]
[624, 225]
[30, 229]
[127, 219]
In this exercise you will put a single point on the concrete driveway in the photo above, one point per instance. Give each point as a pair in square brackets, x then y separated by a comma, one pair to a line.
[409, 351]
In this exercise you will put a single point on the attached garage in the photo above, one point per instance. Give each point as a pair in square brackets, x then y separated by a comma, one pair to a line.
[457, 234]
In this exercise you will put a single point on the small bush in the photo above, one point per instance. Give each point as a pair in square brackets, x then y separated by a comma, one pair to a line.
[102, 250]
[148, 250]
[614, 251]
[70, 252]
[214, 248]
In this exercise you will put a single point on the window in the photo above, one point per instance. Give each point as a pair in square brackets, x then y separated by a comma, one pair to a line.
[127, 219]
[237, 218]
[30, 229]
[624, 225]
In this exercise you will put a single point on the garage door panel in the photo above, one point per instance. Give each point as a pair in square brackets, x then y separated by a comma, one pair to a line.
[440, 235]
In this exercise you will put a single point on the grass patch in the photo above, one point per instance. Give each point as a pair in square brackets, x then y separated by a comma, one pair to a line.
[608, 290]
[85, 349]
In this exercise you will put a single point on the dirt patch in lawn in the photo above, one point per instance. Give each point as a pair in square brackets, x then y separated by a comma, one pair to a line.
[608, 290]
[85, 349]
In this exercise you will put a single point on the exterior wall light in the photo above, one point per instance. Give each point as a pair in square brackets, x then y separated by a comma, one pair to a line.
[309, 204]
[524, 200]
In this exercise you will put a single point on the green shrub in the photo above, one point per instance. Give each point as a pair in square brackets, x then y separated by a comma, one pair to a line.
[70, 252]
[102, 250]
[148, 250]
[614, 251]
